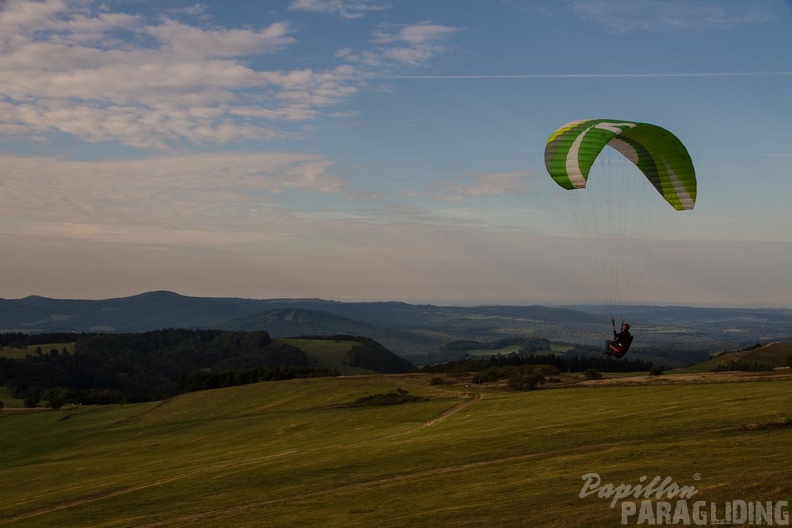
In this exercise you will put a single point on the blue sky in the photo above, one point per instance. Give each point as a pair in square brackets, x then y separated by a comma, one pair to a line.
[379, 150]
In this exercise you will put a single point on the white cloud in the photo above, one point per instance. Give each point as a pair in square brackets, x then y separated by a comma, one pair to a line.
[343, 8]
[190, 41]
[197, 10]
[64, 68]
[413, 45]
[416, 35]
[69, 66]
[29, 15]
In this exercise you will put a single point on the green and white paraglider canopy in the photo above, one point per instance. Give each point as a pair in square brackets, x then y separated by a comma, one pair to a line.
[661, 157]
[618, 212]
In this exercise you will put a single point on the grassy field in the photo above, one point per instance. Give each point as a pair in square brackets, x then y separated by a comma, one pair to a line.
[280, 454]
[773, 354]
[486, 352]
[326, 353]
[17, 353]
[554, 349]
[9, 401]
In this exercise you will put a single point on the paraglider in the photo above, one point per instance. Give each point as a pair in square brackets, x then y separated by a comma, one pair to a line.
[621, 220]
[621, 341]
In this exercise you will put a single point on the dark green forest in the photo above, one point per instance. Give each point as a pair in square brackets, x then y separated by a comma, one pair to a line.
[108, 368]
[563, 363]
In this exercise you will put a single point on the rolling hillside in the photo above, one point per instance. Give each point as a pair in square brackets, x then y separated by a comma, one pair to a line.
[292, 454]
[771, 355]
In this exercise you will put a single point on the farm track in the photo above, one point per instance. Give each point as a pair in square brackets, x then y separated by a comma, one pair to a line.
[440, 417]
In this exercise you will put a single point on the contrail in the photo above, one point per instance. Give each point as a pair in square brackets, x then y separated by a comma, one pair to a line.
[585, 75]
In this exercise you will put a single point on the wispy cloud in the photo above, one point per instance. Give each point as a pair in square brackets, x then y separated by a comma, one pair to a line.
[413, 45]
[490, 184]
[343, 8]
[211, 191]
[628, 16]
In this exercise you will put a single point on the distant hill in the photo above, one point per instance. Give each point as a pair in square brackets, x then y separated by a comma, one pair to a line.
[291, 322]
[164, 309]
[147, 311]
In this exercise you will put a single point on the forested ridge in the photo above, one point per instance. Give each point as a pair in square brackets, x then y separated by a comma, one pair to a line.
[115, 367]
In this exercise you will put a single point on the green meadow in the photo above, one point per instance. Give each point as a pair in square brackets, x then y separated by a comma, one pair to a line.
[778, 355]
[289, 454]
[555, 348]
[9, 402]
[16, 353]
[326, 353]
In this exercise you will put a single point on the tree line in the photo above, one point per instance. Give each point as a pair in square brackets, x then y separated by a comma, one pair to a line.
[23, 340]
[563, 363]
[218, 379]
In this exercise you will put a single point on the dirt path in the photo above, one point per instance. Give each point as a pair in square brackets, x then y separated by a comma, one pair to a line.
[474, 397]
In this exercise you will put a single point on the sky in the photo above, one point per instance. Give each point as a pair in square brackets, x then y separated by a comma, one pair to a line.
[380, 150]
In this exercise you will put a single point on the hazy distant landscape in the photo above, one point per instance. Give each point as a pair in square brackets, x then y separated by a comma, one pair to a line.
[409, 330]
